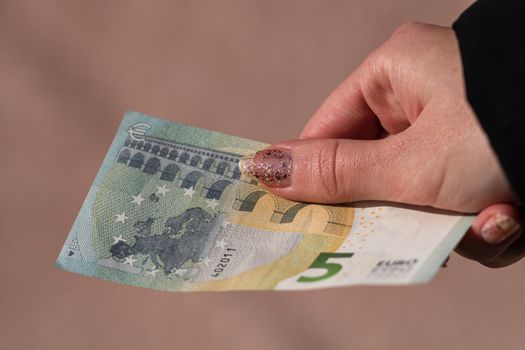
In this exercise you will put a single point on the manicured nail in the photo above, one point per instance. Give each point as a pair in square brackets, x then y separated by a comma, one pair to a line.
[498, 228]
[272, 167]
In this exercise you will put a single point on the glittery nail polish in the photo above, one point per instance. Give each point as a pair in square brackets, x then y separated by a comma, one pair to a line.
[498, 228]
[272, 167]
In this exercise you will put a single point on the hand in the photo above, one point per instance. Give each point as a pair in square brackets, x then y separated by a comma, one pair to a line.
[400, 129]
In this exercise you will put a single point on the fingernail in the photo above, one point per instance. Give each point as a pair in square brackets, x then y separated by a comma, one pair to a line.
[272, 167]
[498, 228]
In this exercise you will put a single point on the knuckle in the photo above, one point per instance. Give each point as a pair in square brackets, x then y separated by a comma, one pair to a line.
[329, 170]
[409, 28]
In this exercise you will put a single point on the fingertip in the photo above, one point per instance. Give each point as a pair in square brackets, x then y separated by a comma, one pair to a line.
[497, 222]
[499, 228]
[491, 233]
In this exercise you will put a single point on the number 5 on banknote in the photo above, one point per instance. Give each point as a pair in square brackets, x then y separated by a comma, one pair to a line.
[322, 263]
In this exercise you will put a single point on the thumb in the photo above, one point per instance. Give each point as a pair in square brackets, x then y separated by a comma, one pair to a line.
[329, 170]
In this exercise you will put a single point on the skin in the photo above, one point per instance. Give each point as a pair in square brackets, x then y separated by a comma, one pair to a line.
[399, 128]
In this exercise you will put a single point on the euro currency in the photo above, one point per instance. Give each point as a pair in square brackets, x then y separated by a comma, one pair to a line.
[170, 210]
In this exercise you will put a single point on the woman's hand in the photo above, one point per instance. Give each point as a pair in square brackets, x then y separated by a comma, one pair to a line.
[400, 129]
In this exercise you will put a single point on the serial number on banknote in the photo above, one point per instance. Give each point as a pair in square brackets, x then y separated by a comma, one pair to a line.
[223, 262]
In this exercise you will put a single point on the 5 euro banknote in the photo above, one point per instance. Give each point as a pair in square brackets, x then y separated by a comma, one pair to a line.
[170, 209]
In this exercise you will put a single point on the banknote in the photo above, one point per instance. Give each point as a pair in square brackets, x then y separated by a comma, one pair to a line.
[170, 209]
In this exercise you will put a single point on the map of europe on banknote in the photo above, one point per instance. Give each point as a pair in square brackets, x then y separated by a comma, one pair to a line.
[170, 210]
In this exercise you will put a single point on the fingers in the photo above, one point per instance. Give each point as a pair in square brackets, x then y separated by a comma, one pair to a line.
[344, 114]
[365, 106]
[329, 170]
[496, 238]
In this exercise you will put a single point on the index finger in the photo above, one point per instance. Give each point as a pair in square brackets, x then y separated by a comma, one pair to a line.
[344, 114]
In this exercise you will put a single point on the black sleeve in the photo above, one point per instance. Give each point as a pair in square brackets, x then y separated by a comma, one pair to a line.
[491, 35]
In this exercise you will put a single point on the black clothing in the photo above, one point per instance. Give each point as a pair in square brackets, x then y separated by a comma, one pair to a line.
[491, 35]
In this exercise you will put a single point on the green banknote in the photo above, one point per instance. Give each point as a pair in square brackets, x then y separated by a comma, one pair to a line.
[170, 210]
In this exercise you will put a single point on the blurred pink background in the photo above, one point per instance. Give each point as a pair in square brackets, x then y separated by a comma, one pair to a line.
[258, 69]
